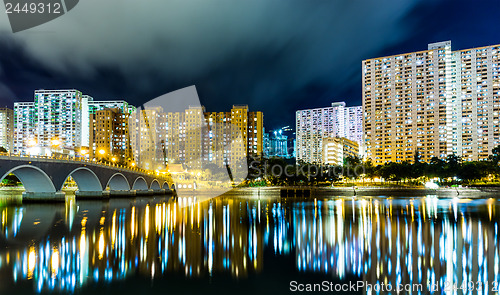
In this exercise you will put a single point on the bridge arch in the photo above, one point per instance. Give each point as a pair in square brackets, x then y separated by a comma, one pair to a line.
[118, 182]
[140, 184]
[172, 187]
[155, 185]
[33, 178]
[166, 185]
[86, 180]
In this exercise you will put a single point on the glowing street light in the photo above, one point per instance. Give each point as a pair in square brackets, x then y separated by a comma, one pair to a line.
[113, 159]
[55, 142]
[132, 164]
[32, 142]
[102, 152]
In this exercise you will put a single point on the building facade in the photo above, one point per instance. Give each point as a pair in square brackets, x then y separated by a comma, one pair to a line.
[438, 102]
[6, 128]
[109, 136]
[313, 125]
[232, 136]
[24, 126]
[196, 138]
[336, 149]
[147, 133]
[59, 121]
[52, 123]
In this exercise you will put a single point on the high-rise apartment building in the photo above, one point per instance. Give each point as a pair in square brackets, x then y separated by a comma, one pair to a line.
[174, 137]
[147, 132]
[6, 128]
[313, 125]
[194, 129]
[86, 101]
[437, 102]
[53, 122]
[91, 107]
[234, 135]
[24, 126]
[353, 123]
[109, 136]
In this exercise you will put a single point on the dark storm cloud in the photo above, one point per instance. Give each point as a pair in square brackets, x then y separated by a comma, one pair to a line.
[276, 56]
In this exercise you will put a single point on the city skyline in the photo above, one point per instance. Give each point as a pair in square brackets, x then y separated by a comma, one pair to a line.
[270, 64]
[70, 123]
[447, 100]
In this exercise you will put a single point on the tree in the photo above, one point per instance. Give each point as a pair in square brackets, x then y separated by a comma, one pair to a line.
[452, 165]
[471, 171]
[435, 168]
[3, 150]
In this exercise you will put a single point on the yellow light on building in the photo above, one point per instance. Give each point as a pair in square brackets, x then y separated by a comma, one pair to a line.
[55, 142]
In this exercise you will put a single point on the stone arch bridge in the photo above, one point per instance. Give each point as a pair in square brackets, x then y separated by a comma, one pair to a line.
[43, 178]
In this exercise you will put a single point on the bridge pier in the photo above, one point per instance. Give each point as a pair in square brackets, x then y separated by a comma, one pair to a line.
[91, 195]
[44, 197]
[148, 192]
[121, 193]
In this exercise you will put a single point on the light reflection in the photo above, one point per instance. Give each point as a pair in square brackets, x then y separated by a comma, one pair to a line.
[377, 240]
[363, 246]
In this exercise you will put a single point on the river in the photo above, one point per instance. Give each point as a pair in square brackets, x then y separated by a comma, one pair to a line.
[250, 243]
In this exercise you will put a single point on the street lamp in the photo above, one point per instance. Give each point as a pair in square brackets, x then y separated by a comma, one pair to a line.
[55, 142]
[84, 152]
[102, 152]
[113, 159]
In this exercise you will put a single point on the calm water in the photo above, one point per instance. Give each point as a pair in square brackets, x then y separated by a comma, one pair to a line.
[245, 244]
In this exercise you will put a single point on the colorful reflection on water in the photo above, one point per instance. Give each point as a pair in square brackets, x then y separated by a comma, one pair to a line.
[63, 248]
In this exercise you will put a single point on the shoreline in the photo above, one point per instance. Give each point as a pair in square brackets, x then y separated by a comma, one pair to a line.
[381, 191]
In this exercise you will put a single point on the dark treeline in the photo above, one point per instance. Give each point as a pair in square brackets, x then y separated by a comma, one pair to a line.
[452, 170]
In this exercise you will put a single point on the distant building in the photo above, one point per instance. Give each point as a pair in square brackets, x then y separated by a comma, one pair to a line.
[124, 106]
[276, 144]
[109, 136]
[6, 128]
[437, 101]
[196, 138]
[336, 149]
[313, 125]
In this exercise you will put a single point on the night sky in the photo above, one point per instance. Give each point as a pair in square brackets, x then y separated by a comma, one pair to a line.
[277, 56]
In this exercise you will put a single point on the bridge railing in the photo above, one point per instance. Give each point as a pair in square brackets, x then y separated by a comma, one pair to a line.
[79, 159]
